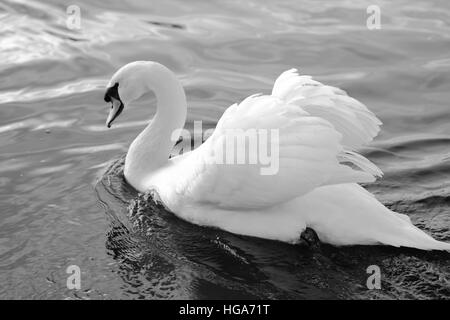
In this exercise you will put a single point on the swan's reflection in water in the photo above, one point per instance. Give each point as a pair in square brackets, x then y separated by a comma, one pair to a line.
[159, 256]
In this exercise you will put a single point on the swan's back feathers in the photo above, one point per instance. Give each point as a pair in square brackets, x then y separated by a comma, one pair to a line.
[314, 130]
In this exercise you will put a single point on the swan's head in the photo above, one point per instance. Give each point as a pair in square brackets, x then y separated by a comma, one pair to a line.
[126, 86]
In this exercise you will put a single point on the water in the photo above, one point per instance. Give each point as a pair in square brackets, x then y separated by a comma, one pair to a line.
[63, 198]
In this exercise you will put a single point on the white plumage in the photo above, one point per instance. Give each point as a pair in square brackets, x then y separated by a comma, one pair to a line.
[319, 129]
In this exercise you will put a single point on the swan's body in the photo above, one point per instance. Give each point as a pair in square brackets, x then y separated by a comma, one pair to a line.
[318, 128]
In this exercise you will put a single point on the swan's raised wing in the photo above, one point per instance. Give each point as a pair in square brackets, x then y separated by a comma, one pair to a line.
[307, 146]
[357, 124]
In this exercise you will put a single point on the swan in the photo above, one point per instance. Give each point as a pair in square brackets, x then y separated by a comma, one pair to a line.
[318, 128]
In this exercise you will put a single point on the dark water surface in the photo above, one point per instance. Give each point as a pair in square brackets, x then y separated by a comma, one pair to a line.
[63, 200]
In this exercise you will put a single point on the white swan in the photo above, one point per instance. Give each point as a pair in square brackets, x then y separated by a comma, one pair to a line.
[318, 126]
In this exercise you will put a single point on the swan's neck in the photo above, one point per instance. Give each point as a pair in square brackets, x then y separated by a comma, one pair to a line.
[151, 149]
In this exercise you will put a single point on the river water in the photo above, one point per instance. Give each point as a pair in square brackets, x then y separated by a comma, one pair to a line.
[63, 200]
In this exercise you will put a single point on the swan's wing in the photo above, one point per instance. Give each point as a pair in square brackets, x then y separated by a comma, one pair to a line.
[351, 118]
[312, 151]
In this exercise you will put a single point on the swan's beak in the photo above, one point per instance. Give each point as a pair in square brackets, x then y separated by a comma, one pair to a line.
[116, 109]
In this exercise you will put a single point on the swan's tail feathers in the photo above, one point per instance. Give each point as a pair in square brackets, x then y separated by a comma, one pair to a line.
[411, 236]
[352, 215]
